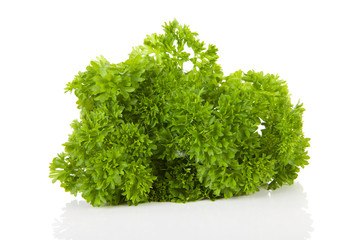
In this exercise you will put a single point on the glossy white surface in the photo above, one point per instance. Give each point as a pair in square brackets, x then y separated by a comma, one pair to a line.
[314, 45]
[279, 215]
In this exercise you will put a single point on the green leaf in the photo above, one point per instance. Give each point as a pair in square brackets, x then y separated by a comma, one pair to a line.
[129, 89]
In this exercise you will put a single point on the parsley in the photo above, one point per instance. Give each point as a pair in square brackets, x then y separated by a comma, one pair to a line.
[151, 131]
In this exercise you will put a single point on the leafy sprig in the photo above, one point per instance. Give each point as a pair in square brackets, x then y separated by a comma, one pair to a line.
[150, 131]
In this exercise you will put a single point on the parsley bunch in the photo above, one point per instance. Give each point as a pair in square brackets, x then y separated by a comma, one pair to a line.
[150, 131]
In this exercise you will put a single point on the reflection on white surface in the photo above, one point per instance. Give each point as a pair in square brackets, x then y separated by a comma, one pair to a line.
[280, 214]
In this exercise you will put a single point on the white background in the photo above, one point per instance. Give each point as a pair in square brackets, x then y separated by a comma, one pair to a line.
[313, 45]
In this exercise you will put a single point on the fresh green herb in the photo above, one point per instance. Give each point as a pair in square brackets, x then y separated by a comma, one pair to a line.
[150, 131]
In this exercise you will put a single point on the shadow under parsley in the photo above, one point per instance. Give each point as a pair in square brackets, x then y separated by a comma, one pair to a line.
[280, 214]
